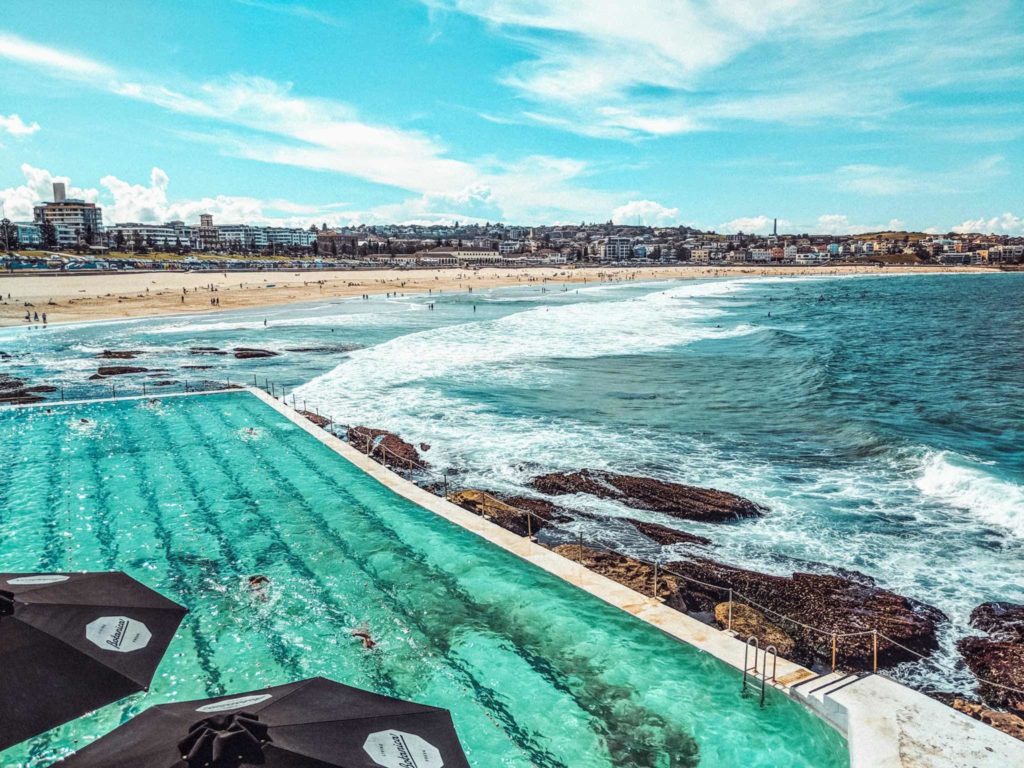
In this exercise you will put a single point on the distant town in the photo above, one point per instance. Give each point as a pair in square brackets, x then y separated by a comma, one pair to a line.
[69, 234]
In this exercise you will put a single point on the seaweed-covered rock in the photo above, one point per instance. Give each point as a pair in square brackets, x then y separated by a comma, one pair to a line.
[746, 621]
[519, 521]
[316, 418]
[386, 447]
[119, 354]
[664, 535]
[676, 499]
[830, 604]
[635, 574]
[249, 353]
[119, 370]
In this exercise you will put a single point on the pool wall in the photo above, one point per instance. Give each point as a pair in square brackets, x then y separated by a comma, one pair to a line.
[886, 724]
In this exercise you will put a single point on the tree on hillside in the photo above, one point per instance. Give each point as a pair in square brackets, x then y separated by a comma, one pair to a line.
[8, 234]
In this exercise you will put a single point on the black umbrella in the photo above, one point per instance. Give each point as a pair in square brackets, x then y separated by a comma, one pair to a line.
[73, 642]
[314, 723]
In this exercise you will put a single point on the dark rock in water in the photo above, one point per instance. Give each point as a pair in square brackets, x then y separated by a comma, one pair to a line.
[327, 348]
[537, 507]
[999, 662]
[626, 570]
[198, 367]
[119, 370]
[19, 397]
[829, 603]
[1002, 621]
[248, 353]
[387, 448]
[316, 418]
[664, 535]
[498, 512]
[424, 446]
[685, 501]
[10, 382]
[41, 388]
[166, 383]
[119, 354]
[206, 351]
[998, 658]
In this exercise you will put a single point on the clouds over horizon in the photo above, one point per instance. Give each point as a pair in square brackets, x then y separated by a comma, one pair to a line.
[654, 68]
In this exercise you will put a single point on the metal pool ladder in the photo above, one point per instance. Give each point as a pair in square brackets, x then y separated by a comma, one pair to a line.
[752, 642]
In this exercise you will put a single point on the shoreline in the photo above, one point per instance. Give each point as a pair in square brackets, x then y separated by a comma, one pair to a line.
[76, 298]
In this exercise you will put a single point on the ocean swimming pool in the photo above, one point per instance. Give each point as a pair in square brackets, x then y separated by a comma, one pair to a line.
[183, 496]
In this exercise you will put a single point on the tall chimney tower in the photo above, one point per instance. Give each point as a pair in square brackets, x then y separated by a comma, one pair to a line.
[59, 196]
[775, 227]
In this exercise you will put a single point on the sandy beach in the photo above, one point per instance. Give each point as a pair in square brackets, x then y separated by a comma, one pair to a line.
[69, 298]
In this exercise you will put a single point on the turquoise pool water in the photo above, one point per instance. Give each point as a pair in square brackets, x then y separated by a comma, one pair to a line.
[183, 496]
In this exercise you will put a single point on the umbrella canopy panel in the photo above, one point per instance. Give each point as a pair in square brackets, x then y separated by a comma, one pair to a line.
[73, 642]
[315, 723]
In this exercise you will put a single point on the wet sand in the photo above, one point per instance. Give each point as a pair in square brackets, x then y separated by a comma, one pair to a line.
[67, 298]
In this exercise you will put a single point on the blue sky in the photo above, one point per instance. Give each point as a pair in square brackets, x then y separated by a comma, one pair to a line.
[834, 117]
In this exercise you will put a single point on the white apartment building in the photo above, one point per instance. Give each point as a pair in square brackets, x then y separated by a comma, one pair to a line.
[290, 236]
[71, 219]
[160, 235]
[242, 235]
[761, 255]
[614, 249]
[506, 247]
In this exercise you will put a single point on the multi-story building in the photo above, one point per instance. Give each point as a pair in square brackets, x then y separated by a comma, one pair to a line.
[330, 243]
[615, 249]
[75, 221]
[290, 237]
[242, 236]
[506, 247]
[28, 234]
[152, 235]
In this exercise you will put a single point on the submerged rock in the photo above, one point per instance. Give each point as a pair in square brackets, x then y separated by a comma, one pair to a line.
[248, 353]
[386, 447]
[206, 351]
[326, 348]
[119, 370]
[119, 354]
[830, 604]
[664, 535]
[676, 499]
[747, 621]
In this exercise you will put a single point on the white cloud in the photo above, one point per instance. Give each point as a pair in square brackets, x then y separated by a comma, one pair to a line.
[38, 186]
[646, 212]
[754, 225]
[15, 126]
[23, 51]
[657, 67]
[887, 181]
[268, 122]
[1007, 224]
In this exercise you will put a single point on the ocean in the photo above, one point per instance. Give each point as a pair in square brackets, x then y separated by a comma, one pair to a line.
[880, 419]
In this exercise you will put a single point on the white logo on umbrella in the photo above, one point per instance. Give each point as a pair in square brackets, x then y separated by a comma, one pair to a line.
[118, 633]
[52, 578]
[398, 749]
[237, 703]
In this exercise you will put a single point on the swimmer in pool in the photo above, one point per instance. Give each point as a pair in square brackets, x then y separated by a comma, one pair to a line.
[257, 586]
[364, 634]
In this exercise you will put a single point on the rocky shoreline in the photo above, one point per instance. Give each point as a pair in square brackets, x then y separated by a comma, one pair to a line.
[801, 614]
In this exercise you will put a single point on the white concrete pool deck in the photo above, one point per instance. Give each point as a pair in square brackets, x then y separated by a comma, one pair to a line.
[886, 724]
